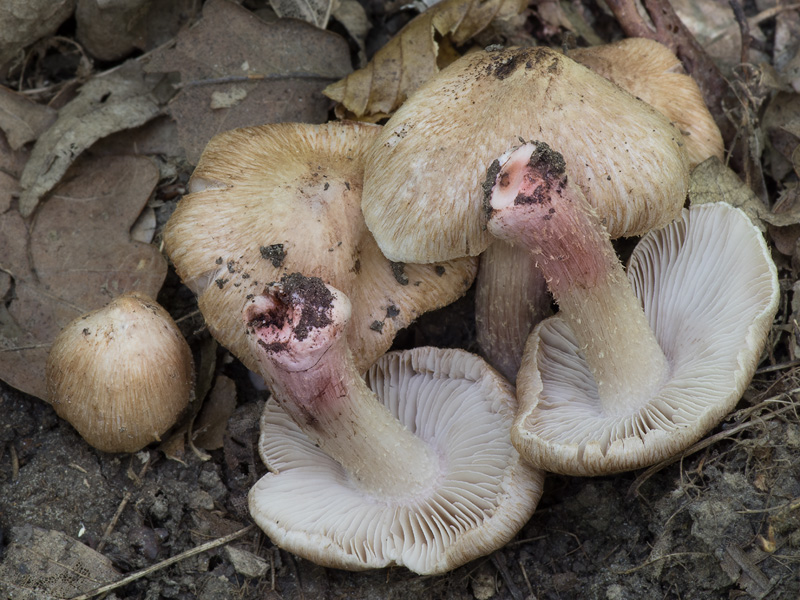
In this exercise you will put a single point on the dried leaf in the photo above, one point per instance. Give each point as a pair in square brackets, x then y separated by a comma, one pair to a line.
[21, 119]
[212, 421]
[43, 564]
[316, 12]
[119, 100]
[781, 124]
[272, 64]
[110, 30]
[413, 56]
[12, 161]
[22, 22]
[354, 19]
[712, 181]
[559, 14]
[76, 257]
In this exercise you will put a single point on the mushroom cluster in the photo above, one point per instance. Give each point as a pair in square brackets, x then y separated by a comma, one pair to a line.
[310, 246]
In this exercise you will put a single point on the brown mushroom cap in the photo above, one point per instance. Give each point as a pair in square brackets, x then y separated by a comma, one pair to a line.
[271, 200]
[652, 73]
[423, 176]
[709, 290]
[121, 375]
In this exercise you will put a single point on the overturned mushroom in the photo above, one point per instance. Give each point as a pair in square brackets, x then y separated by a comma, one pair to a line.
[605, 386]
[270, 200]
[121, 375]
[413, 466]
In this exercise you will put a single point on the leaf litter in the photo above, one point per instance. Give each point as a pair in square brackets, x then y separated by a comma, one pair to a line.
[722, 521]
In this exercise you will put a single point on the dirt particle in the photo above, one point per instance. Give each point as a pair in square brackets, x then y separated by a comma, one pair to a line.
[221, 282]
[274, 253]
[376, 326]
[439, 270]
[398, 271]
[488, 185]
[314, 298]
[392, 311]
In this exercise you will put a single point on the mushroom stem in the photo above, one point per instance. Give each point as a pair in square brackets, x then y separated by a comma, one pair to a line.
[296, 332]
[532, 203]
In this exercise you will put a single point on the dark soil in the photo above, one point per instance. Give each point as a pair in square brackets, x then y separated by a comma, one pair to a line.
[723, 522]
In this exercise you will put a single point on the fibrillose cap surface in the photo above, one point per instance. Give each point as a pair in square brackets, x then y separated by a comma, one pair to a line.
[271, 200]
[423, 195]
[451, 400]
[121, 375]
[651, 72]
[709, 290]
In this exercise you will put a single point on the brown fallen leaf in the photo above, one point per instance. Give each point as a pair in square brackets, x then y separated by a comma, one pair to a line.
[75, 256]
[255, 72]
[21, 119]
[111, 30]
[12, 161]
[316, 12]
[112, 102]
[212, 421]
[781, 125]
[41, 564]
[712, 181]
[414, 55]
[352, 16]
[22, 22]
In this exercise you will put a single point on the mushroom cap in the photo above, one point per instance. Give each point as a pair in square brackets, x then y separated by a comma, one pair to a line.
[423, 178]
[651, 72]
[451, 399]
[121, 375]
[270, 200]
[709, 290]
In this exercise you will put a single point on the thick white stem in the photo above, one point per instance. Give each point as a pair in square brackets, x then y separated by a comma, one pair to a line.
[311, 373]
[533, 204]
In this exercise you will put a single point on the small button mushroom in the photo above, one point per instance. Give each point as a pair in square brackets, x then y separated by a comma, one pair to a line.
[121, 375]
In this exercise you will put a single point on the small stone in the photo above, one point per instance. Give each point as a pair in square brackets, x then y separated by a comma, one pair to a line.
[246, 563]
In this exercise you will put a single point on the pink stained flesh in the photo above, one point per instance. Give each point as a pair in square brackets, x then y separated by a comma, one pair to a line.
[294, 321]
[533, 204]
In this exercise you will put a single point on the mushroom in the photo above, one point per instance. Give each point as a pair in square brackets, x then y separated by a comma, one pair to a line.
[425, 169]
[121, 375]
[413, 466]
[651, 72]
[607, 385]
[270, 200]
